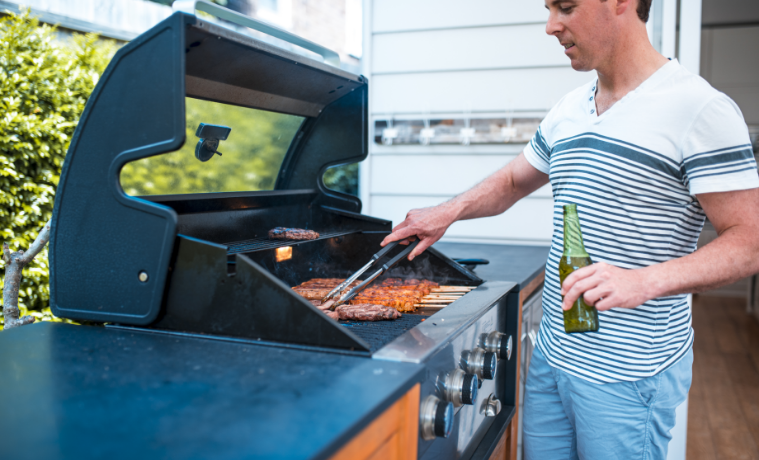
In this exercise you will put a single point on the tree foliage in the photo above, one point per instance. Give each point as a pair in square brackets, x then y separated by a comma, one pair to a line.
[251, 156]
[44, 85]
[343, 178]
[250, 161]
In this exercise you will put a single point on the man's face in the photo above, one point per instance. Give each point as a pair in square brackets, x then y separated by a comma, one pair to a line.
[585, 28]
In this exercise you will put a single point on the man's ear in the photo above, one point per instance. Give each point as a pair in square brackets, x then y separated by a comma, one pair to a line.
[623, 6]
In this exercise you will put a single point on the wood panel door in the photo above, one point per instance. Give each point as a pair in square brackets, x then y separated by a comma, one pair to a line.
[391, 436]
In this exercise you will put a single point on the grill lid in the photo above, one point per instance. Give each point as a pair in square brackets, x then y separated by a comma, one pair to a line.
[137, 110]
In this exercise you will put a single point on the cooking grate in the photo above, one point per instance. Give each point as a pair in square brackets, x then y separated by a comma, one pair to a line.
[379, 333]
[258, 244]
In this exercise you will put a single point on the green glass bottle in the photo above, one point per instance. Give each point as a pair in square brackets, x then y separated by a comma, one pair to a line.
[581, 317]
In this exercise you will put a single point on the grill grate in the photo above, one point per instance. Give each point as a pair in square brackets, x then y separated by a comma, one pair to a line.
[379, 333]
[258, 244]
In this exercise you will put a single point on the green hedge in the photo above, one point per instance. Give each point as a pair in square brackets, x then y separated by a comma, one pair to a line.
[45, 80]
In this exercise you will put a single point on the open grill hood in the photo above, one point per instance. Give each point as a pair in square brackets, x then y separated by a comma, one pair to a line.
[201, 263]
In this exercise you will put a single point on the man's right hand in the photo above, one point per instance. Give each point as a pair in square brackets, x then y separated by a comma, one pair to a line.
[427, 224]
[490, 197]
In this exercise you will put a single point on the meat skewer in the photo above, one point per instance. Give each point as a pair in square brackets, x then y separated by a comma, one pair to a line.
[375, 275]
[342, 286]
[404, 295]
[367, 312]
[437, 301]
[358, 311]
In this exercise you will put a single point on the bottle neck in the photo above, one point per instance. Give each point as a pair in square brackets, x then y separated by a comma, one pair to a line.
[573, 245]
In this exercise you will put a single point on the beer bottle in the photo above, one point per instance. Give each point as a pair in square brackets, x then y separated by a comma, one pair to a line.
[581, 317]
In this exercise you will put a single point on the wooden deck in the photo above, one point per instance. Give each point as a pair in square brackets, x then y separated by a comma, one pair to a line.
[723, 410]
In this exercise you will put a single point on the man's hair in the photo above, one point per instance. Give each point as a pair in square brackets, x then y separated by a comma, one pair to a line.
[644, 6]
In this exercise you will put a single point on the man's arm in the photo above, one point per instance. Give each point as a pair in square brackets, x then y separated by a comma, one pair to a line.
[730, 257]
[490, 197]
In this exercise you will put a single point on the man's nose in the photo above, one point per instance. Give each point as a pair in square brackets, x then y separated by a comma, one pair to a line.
[553, 26]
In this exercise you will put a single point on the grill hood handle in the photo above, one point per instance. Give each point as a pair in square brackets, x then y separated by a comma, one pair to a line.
[190, 6]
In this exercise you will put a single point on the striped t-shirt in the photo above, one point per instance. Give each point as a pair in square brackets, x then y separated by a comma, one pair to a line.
[635, 173]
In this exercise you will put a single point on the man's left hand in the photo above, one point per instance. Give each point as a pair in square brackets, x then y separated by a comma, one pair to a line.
[606, 287]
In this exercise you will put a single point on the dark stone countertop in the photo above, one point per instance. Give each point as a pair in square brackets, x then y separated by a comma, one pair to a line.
[80, 392]
[520, 264]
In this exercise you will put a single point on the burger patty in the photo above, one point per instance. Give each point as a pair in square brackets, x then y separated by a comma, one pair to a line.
[285, 233]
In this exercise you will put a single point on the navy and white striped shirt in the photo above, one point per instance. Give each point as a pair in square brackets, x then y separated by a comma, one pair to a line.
[634, 173]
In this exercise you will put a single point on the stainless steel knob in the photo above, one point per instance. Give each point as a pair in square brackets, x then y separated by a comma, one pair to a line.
[492, 406]
[480, 363]
[435, 418]
[461, 388]
[498, 343]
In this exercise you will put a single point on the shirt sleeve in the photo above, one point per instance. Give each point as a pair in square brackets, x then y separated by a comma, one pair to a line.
[717, 154]
[537, 152]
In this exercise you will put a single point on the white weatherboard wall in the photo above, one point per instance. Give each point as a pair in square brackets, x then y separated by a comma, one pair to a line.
[730, 62]
[444, 58]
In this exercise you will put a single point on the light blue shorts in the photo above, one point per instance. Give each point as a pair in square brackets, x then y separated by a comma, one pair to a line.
[566, 417]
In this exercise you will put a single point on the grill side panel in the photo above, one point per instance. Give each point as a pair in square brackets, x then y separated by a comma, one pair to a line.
[102, 239]
[251, 303]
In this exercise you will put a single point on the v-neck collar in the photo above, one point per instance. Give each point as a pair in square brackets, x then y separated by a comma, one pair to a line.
[661, 74]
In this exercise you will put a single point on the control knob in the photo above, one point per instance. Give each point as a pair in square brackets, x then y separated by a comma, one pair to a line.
[435, 418]
[498, 343]
[481, 363]
[461, 388]
[492, 406]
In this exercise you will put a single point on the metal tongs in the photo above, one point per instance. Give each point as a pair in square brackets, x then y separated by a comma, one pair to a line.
[385, 267]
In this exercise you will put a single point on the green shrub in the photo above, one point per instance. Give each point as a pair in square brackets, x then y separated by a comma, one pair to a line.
[252, 154]
[343, 178]
[45, 81]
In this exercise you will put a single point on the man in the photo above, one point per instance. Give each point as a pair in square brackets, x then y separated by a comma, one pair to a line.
[646, 150]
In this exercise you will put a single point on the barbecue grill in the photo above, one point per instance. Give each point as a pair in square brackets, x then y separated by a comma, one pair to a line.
[202, 264]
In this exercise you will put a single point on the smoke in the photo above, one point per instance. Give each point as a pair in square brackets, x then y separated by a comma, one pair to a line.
[419, 268]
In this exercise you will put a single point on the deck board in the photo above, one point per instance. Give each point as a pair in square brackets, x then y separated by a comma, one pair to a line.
[723, 410]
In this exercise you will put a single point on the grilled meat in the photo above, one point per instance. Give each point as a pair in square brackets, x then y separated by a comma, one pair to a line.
[358, 312]
[400, 304]
[312, 294]
[317, 288]
[366, 312]
[322, 306]
[322, 282]
[401, 294]
[284, 233]
[407, 282]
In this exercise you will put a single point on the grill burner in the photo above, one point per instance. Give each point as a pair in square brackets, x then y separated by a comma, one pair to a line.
[258, 244]
[379, 333]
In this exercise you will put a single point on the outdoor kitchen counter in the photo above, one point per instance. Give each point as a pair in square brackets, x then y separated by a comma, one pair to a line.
[520, 264]
[79, 392]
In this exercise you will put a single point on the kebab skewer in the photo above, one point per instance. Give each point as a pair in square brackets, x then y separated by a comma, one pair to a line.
[385, 267]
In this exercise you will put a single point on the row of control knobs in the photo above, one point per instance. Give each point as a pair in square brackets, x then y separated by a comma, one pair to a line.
[460, 386]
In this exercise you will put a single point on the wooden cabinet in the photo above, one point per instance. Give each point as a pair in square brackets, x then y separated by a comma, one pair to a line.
[511, 436]
[391, 436]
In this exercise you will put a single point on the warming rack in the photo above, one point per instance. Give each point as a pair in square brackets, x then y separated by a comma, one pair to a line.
[261, 243]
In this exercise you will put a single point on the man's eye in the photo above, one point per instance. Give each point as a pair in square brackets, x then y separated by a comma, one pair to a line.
[566, 10]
